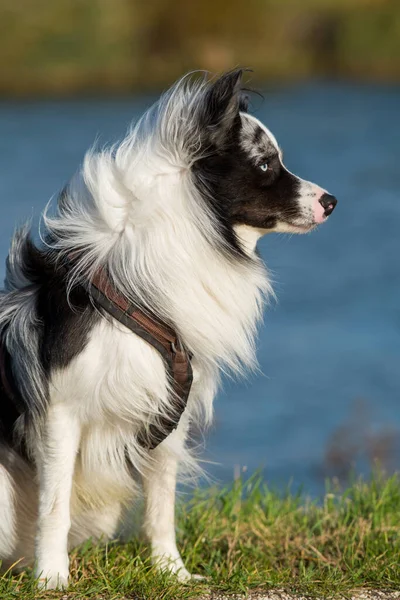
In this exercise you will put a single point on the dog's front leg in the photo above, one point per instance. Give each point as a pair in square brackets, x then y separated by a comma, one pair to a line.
[159, 487]
[55, 462]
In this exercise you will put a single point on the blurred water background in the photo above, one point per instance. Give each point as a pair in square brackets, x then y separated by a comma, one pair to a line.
[326, 400]
[329, 350]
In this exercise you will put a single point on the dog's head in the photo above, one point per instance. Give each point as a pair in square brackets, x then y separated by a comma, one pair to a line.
[240, 168]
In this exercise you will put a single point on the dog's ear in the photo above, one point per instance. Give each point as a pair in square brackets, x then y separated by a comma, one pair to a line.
[221, 104]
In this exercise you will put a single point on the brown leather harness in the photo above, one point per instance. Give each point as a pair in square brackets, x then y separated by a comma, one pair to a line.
[164, 339]
[159, 335]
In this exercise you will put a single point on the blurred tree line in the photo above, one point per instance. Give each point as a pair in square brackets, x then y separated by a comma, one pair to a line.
[78, 46]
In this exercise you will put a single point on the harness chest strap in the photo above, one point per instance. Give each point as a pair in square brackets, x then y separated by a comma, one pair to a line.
[164, 339]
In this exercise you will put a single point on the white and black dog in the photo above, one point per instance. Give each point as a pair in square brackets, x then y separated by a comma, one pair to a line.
[173, 214]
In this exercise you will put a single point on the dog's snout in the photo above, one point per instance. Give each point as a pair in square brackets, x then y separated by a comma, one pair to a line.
[328, 203]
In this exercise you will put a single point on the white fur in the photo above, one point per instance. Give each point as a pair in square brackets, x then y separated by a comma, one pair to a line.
[7, 523]
[55, 461]
[250, 123]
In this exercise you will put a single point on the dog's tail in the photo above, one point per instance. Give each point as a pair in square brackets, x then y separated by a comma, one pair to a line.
[20, 326]
[21, 261]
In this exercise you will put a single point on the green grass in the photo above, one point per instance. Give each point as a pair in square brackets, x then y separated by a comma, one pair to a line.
[248, 538]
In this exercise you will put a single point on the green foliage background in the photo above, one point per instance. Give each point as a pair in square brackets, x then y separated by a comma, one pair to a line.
[59, 47]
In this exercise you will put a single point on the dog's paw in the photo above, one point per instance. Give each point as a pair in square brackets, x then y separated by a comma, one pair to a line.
[174, 565]
[52, 578]
[184, 576]
[53, 582]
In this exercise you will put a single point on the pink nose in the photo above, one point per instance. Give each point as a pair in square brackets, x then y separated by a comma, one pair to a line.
[328, 203]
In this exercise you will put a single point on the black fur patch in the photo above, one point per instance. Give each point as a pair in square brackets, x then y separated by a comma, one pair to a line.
[10, 403]
[66, 324]
[62, 331]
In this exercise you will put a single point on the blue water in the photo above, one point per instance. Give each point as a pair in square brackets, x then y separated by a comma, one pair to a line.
[330, 347]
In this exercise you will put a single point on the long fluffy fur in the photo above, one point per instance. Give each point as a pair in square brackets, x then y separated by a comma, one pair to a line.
[19, 323]
[172, 213]
[133, 209]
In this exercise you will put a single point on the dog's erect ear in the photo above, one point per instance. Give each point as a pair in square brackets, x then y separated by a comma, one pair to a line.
[221, 104]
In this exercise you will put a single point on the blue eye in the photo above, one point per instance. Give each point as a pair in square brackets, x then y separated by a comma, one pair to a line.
[264, 167]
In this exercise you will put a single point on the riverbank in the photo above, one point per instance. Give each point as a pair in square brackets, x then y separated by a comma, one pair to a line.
[250, 540]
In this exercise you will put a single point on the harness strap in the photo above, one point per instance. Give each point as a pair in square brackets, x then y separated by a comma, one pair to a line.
[164, 339]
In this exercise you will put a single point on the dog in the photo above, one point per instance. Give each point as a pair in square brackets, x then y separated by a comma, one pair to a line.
[172, 216]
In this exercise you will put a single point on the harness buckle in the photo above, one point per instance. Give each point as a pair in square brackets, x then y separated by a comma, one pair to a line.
[179, 344]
